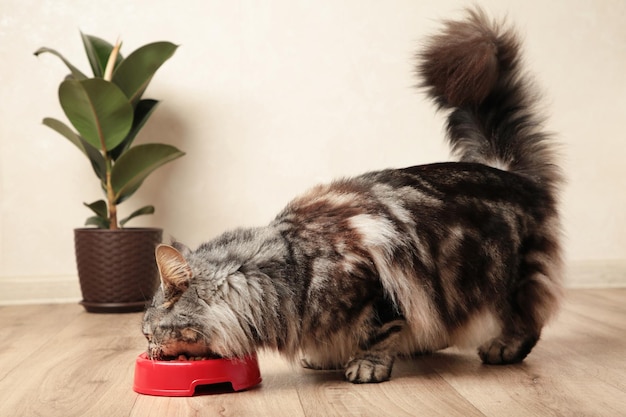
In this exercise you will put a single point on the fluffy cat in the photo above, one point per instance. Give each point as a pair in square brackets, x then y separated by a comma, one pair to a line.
[355, 273]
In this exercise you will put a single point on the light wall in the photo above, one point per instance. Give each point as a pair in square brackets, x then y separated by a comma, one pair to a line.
[270, 97]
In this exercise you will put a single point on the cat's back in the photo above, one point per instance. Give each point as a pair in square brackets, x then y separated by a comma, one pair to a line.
[435, 190]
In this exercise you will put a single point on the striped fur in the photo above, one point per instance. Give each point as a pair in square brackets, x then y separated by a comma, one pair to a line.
[355, 273]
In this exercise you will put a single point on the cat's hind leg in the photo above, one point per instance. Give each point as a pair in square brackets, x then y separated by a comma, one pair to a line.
[507, 349]
[534, 302]
[519, 335]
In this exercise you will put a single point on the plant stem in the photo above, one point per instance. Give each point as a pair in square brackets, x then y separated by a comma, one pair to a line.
[108, 75]
[108, 71]
[110, 194]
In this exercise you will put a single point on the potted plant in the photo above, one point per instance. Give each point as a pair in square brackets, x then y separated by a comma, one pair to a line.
[116, 266]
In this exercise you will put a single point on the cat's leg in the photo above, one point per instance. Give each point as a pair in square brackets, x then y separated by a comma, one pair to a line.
[370, 367]
[508, 348]
[518, 336]
[531, 306]
[374, 360]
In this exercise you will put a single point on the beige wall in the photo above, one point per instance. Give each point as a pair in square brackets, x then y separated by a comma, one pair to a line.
[270, 97]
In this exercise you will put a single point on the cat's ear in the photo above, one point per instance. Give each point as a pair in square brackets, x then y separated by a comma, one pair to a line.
[173, 268]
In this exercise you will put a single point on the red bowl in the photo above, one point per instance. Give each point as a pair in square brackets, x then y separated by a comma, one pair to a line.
[180, 378]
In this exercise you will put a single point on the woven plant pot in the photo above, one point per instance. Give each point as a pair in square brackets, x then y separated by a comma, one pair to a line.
[116, 268]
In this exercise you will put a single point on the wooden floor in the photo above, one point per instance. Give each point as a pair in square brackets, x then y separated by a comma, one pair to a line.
[57, 360]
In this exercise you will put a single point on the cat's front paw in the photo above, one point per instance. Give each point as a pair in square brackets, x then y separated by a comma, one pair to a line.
[369, 369]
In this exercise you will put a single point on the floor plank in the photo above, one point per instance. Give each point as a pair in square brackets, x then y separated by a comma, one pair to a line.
[25, 329]
[57, 360]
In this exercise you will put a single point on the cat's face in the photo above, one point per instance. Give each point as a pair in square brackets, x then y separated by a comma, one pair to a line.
[173, 327]
[190, 314]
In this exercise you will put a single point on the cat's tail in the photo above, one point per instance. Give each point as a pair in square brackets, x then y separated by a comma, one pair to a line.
[472, 67]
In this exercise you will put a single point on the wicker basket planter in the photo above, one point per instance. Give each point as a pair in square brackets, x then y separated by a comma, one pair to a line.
[116, 268]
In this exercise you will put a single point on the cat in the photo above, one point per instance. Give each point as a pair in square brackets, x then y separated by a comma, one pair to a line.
[355, 273]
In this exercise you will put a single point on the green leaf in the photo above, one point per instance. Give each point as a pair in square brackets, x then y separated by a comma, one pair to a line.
[99, 208]
[140, 212]
[135, 72]
[76, 73]
[95, 157]
[98, 52]
[143, 111]
[98, 222]
[98, 110]
[132, 168]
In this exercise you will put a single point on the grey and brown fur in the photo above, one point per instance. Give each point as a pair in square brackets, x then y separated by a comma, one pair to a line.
[355, 273]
